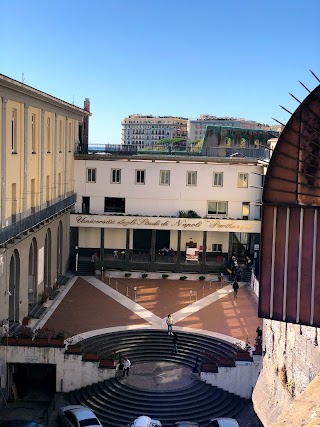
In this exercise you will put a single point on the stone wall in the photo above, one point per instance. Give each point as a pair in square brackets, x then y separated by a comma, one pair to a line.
[291, 361]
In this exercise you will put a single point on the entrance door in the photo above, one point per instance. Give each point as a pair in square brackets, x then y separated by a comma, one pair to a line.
[142, 241]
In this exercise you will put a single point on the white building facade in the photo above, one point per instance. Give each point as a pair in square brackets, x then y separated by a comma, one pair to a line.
[139, 207]
[141, 131]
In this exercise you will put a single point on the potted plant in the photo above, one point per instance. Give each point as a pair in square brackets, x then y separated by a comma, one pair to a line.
[144, 275]
[42, 336]
[26, 320]
[127, 274]
[183, 277]
[44, 296]
[24, 335]
[165, 276]
[58, 338]
[202, 277]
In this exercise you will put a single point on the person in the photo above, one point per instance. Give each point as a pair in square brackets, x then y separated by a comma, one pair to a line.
[115, 254]
[175, 343]
[235, 286]
[169, 322]
[126, 366]
[259, 335]
[239, 274]
[248, 262]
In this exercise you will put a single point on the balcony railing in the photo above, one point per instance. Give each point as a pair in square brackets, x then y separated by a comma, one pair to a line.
[178, 150]
[25, 224]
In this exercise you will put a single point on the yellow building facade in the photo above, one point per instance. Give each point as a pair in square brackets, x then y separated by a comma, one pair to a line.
[38, 135]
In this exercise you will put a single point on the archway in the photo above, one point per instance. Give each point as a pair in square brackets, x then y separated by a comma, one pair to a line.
[47, 259]
[14, 287]
[32, 272]
[59, 249]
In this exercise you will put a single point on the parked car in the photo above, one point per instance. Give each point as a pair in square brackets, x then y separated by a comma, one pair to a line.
[144, 421]
[185, 424]
[77, 415]
[223, 422]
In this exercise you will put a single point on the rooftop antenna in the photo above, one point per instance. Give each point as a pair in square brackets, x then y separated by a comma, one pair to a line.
[23, 78]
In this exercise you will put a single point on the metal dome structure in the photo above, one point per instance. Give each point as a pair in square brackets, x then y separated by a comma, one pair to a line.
[290, 236]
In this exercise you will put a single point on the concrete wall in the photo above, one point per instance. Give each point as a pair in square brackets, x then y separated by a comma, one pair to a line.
[71, 372]
[288, 347]
[239, 380]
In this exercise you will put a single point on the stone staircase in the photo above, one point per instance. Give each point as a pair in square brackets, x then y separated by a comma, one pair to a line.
[85, 268]
[118, 401]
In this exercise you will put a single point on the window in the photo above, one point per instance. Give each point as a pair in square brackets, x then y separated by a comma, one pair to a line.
[242, 180]
[217, 179]
[70, 137]
[192, 178]
[48, 135]
[91, 175]
[217, 247]
[14, 131]
[164, 177]
[217, 208]
[33, 133]
[115, 176]
[14, 202]
[114, 204]
[140, 176]
[245, 210]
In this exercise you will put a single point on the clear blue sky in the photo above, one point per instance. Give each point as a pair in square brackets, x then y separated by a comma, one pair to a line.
[170, 57]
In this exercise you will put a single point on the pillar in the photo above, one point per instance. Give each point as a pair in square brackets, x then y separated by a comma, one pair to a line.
[178, 264]
[127, 255]
[203, 267]
[102, 244]
[153, 250]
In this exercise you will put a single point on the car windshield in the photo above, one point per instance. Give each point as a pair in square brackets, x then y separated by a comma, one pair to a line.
[89, 422]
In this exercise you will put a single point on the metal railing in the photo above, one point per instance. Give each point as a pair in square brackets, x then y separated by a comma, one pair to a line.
[178, 150]
[25, 224]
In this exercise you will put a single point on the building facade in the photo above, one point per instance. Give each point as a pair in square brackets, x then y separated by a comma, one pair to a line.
[38, 135]
[197, 127]
[141, 131]
[148, 207]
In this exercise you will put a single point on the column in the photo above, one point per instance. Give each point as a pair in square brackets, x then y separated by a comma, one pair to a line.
[3, 162]
[178, 263]
[127, 255]
[203, 267]
[66, 141]
[25, 160]
[153, 250]
[102, 244]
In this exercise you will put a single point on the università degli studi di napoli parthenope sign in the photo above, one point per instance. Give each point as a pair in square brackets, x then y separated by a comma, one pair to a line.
[165, 223]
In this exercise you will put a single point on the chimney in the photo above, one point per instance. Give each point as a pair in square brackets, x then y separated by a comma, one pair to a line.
[87, 104]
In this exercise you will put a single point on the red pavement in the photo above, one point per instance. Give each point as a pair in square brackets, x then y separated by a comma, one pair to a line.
[85, 308]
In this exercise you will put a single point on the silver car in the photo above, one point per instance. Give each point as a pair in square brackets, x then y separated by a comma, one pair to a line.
[77, 416]
[223, 422]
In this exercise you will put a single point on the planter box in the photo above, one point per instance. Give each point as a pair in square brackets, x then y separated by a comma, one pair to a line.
[107, 364]
[209, 367]
[90, 357]
[24, 341]
[226, 362]
[41, 342]
[9, 341]
[243, 355]
[73, 349]
[54, 342]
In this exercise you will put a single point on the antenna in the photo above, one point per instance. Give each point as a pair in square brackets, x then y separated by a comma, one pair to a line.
[23, 78]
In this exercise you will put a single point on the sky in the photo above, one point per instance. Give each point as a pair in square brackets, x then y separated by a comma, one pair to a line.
[238, 58]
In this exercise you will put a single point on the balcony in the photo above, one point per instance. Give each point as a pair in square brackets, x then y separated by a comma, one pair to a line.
[25, 224]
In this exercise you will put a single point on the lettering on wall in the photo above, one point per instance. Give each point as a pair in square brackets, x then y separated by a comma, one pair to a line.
[205, 224]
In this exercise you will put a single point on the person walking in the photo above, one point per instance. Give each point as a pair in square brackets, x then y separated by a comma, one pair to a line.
[175, 343]
[235, 286]
[169, 322]
[126, 366]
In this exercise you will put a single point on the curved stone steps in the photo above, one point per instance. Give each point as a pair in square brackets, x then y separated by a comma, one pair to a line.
[117, 404]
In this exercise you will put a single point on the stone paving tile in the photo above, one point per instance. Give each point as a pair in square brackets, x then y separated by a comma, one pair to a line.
[85, 308]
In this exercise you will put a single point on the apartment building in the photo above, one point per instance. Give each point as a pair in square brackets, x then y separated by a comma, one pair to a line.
[38, 135]
[139, 206]
[141, 131]
[197, 127]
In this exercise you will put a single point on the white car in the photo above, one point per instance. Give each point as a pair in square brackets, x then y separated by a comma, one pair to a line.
[223, 422]
[144, 421]
[77, 415]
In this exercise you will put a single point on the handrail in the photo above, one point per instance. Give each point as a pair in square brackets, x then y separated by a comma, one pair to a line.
[134, 289]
